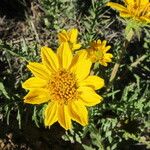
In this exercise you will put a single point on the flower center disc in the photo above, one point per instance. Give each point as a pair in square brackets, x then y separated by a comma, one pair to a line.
[63, 87]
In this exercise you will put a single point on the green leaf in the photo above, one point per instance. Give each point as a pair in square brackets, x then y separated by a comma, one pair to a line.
[3, 90]
[86, 147]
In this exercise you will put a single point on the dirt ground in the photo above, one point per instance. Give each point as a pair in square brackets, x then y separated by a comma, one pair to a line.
[30, 137]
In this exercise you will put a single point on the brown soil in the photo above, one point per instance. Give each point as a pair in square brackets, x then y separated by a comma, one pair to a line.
[30, 137]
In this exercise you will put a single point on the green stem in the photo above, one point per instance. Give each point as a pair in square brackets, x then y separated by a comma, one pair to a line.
[118, 63]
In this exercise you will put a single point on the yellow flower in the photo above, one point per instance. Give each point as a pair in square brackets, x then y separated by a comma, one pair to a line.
[69, 36]
[138, 10]
[98, 52]
[63, 82]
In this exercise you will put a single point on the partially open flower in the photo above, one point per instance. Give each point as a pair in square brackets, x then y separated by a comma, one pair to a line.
[69, 36]
[98, 52]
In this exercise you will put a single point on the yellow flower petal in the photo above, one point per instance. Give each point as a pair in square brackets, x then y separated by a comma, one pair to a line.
[89, 96]
[80, 55]
[39, 70]
[76, 46]
[129, 2]
[63, 36]
[51, 114]
[125, 14]
[104, 43]
[49, 58]
[145, 1]
[108, 57]
[78, 112]
[81, 66]
[98, 42]
[34, 82]
[142, 2]
[94, 82]
[107, 48]
[65, 55]
[73, 34]
[37, 96]
[64, 116]
[82, 69]
[117, 6]
[103, 63]
[146, 18]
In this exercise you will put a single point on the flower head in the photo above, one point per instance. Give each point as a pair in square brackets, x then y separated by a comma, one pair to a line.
[69, 36]
[63, 82]
[98, 52]
[138, 10]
